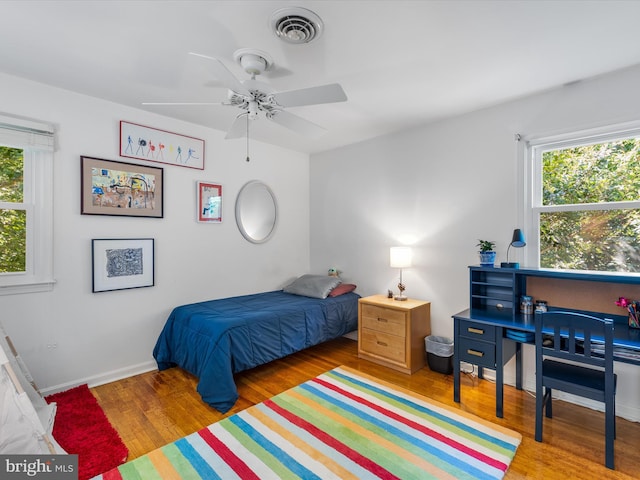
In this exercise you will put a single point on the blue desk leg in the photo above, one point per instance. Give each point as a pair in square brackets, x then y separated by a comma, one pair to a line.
[456, 361]
[518, 365]
[499, 371]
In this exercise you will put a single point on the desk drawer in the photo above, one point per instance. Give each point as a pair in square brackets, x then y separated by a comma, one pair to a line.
[477, 353]
[384, 320]
[478, 331]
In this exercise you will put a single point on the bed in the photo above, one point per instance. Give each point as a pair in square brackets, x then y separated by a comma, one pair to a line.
[217, 338]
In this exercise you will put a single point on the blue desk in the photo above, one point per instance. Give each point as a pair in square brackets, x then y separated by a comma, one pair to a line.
[481, 340]
[480, 333]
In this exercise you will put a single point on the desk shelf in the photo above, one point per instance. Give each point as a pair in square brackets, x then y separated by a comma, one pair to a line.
[495, 291]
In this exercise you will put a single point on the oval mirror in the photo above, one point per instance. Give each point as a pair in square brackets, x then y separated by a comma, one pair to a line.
[256, 211]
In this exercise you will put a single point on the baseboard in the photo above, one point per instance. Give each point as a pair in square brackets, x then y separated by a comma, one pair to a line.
[121, 373]
[103, 378]
[628, 412]
[352, 335]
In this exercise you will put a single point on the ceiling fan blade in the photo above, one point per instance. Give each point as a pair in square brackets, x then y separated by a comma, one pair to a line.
[297, 124]
[331, 93]
[238, 127]
[183, 103]
[222, 73]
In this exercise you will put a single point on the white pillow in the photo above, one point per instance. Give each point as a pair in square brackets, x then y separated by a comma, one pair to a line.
[315, 286]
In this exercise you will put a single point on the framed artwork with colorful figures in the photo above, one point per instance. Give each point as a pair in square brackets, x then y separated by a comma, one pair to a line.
[146, 143]
[108, 187]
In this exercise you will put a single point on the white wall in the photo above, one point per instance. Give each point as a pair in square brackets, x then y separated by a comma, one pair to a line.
[101, 336]
[445, 186]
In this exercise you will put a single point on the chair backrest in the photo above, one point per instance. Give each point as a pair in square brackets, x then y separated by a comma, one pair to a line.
[575, 337]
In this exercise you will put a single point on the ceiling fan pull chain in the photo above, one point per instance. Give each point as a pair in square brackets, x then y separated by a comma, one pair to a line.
[248, 138]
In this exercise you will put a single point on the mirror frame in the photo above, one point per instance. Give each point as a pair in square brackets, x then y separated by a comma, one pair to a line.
[238, 211]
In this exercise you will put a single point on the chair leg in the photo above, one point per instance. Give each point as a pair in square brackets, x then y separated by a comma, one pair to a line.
[539, 407]
[610, 433]
[614, 420]
[548, 408]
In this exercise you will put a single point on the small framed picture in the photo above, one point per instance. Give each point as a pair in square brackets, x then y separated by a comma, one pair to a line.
[118, 188]
[209, 202]
[124, 263]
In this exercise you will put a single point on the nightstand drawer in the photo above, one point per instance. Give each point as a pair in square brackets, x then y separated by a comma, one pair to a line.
[477, 353]
[480, 331]
[384, 345]
[384, 320]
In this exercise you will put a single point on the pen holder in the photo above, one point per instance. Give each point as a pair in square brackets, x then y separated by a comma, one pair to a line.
[634, 319]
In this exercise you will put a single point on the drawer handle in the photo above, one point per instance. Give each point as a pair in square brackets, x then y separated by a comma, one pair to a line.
[382, 320]
[383, 344]
[475, 353]
[479, 331]
[499, 306]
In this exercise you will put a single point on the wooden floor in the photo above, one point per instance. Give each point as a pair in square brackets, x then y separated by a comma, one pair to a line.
[156, 408]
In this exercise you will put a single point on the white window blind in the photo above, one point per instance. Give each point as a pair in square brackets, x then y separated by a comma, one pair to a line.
[23, 133]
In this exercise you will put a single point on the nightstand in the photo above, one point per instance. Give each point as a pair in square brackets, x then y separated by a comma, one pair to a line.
[392, 332]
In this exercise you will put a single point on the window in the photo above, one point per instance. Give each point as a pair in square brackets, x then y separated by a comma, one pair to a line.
[26, 160]
[584, 202]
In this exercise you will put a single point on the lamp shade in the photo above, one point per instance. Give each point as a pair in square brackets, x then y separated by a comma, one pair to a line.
[518, 239]
[400, 257]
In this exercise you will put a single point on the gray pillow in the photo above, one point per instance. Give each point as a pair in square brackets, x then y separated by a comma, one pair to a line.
[315, 286]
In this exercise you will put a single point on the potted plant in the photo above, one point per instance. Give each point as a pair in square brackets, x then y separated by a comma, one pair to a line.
[487, 252]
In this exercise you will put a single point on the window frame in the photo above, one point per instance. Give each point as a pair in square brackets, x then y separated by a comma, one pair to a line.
[530, 174]
[36, 139]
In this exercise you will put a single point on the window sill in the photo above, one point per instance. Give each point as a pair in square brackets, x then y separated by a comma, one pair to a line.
[33, 287]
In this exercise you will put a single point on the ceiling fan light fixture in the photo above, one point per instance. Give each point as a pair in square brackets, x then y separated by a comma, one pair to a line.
[296, 25]
[253, 64]
[253, 61]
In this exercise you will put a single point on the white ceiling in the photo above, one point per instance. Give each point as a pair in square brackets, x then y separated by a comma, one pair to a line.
[401, 63]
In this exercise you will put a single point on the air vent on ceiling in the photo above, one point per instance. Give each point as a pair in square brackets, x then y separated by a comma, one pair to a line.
[296, 25]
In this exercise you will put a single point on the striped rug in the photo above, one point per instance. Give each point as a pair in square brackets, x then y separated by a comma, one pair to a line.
[343, 425]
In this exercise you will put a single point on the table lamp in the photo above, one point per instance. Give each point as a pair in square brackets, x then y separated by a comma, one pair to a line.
[517, 241]
[400, 257]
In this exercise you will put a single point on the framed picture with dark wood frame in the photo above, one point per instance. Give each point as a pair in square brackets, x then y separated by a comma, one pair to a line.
[209, 202]
[118, 188]
[122, 263]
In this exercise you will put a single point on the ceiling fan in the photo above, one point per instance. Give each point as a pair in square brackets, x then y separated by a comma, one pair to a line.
[253, 97]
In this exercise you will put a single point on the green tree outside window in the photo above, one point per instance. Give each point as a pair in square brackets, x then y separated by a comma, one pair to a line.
[602, 239]
[13, 221]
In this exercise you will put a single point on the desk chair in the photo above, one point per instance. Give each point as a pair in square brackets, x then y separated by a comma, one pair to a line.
[572, 335]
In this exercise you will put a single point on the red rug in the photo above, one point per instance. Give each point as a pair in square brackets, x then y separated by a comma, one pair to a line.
[82, 428]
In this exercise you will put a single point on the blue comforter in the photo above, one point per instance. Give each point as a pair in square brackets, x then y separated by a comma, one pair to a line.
[215, 339]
